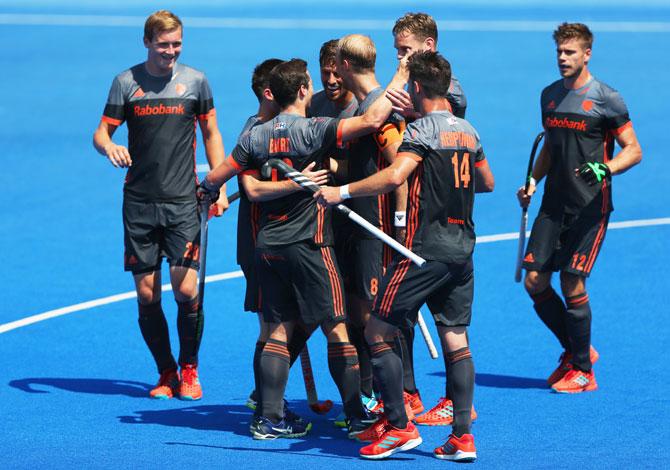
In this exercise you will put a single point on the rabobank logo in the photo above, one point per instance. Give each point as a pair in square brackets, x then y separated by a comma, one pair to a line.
[565, 123]
[148, 110]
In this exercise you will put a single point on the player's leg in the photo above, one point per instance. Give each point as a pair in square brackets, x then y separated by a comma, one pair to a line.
[142, 237]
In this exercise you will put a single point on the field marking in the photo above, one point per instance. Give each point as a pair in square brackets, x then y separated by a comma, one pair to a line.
[26, 19]
[236, 274]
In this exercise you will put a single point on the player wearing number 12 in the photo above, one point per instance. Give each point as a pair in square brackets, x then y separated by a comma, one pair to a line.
[443, 161]
[582, 117]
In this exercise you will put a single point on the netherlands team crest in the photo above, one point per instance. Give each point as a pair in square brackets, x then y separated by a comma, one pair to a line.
[180, 88]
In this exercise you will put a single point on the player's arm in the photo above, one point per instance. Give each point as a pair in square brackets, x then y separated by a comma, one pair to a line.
[259, 191]
[630, 154]
[102, 141]
[540, 170]
[234, 164]
[215, 153]
[389, 138]
[484, 181]
[386, 180]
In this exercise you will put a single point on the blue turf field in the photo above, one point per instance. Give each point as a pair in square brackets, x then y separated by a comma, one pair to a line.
[73, 388]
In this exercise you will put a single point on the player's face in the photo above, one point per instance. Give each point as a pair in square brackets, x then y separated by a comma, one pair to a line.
[572, 56]
[331, 81]
[164, 50]
[310, 90]
[407, 43]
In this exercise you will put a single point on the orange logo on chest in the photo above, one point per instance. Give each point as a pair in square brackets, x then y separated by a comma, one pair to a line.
[180, 88]
[587, 105]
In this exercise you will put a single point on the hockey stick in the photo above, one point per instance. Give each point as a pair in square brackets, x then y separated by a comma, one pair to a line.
[524, 212]
[306, 183]
[426, 335]
[310, 386]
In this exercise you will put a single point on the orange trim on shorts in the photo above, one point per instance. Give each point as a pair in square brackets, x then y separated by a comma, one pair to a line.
[392, 288]
[596, 245]
[338, 303]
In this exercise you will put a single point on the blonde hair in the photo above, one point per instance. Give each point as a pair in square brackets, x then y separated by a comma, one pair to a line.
[159, 22]
[359, 51]
[421, 25]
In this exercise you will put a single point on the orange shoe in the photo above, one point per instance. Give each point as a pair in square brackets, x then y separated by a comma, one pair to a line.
[442, 414]
[576, 381]
[458, 449]
[564, 365]
[374, 431]
[189, 387]
[408, 407]
[393, 440]
[167, 386]
[414, 400]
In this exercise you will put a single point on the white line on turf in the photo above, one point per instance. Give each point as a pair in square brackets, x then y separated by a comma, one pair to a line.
[235, 274]
[26, 19]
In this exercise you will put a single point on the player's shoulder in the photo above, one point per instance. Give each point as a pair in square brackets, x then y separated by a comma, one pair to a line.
[186, 73]
[552, 88]
[602, 89]
[130, 74]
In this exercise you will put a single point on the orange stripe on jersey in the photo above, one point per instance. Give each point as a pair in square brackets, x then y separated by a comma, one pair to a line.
[480, 163]
[232, 162]
[411, 155]
[334, 282]
[112, 121]
[392, 289]
[414, 202]
[204, 117]
[622, 128]
[386, 135]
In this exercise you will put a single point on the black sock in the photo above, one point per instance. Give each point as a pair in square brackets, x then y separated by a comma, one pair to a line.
[297, 343]
[156, 335]
[387, 368]
[551, 310]
[406, 339]
[461, 380]
[274, 375]
[190, 322]
[579, 329]
[257, 375]
[357, 338]
[344, 369]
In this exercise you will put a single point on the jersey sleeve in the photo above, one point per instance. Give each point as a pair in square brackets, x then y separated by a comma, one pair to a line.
[241, 157]
[456, 98]
[413, 144]
[114, 112]
[325, 131]
[616, 112]
[205, 106]
[480, 157]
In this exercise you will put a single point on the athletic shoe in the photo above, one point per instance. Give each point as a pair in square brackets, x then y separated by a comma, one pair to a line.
[374, 431]
[340, 420]
[414, 400]
[167, 386]
[189, 387]
[370, 403]
[564, 365]
[392, 440]
[458, 449]
[378, 407]
[253, 424]
[441, 414]
[576, 381]
[252, 401]
[266, 429]
[293, 418]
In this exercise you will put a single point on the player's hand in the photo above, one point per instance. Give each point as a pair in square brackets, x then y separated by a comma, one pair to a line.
[118, 155]
[220, 206]
[402, 103]
[207, 192]
[328, 195]
[319, 177]
[523, 196]
[594, 172]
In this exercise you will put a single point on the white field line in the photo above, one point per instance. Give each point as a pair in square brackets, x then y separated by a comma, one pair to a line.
[235, 274]
[20, 19]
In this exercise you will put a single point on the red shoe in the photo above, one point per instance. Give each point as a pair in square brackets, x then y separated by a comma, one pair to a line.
[414, 400]
[393, 440]
[458, 449]
[189, 387]
[442, 414]
[576, 381]
[374, 431]
[564, 365]
[167, 386]
[378, 408]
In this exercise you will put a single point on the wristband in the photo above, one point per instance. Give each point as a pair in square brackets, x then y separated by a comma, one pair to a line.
[344, 192]
[400, 219]
[532, 181]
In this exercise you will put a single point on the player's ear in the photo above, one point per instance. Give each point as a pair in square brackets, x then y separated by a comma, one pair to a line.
[587, 55]
[417, 87]
[147, 42]
[267, 94]
[430, 44]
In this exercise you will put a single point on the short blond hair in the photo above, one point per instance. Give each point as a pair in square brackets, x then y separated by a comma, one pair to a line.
[421, 25]
[160, 22]
[359, 50]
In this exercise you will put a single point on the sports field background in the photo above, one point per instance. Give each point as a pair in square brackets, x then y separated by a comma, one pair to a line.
[73, 388]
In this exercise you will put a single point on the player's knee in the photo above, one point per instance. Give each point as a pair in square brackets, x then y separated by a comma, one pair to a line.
[535, 283]
[336, 332]
[572, 284]
[146, 295]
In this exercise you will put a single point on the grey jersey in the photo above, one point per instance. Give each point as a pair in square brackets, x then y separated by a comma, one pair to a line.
[456, 98]
[161, 113]
[321, 106]
[248, 213]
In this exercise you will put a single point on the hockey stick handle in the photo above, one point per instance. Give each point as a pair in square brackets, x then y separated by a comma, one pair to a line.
[522, 245]
[204, 218]
[310, 385]
[308, 184]
[531, 160]
[426, 335]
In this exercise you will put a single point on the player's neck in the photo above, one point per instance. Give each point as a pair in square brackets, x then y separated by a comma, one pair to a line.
[433, 105]
[154, 71]
[574, 83]
[298, 108]
[363, 84]
[266, 111]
